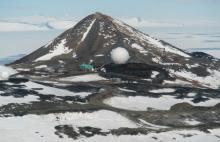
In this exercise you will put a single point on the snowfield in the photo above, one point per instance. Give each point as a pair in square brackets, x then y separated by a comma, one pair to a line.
[46, 90]
[141, 103]
[40, 128]
[83, 78]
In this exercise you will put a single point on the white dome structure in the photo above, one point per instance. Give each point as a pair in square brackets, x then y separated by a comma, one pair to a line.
[5, 72]
[119, 55]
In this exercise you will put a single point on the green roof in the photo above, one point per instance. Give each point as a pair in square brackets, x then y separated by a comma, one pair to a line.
[86, 66]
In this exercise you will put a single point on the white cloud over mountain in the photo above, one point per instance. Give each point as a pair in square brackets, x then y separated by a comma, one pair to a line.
[40, 23]
[35, 23]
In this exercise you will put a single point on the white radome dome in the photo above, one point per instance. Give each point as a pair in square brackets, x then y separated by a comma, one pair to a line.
[119, 55]
[5, 72]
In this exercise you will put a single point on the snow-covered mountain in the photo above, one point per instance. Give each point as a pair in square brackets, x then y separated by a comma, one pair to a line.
[135, 88]
[92, 40]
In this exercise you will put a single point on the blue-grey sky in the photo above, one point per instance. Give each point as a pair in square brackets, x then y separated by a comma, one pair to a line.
[183, 23]
[147, 9]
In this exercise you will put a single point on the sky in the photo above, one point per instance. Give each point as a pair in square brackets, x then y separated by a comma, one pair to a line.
[147, 9]
[184, 23]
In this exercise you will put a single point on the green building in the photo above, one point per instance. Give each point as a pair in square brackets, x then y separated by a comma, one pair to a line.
[86, 67]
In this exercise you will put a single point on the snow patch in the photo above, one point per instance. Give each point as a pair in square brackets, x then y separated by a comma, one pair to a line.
[152, 126]
[191, 122]
[212, 80]
[164, 90]
[4, 100]
[154, 74]
[83, 78]
[139, 48]
[87, 30]
[46, 90]
[58, 50]
[99, 55]
[41, 66]
[126, 90]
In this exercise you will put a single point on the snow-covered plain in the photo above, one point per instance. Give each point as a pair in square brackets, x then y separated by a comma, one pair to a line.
[142, 103]
[83, 78]
[40, 128]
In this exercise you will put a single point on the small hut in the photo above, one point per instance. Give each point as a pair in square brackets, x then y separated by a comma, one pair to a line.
[86, 67]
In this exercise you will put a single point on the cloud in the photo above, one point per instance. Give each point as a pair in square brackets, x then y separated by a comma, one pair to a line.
[138, 22]
[39, 23]
[35, 23]
[16, 27]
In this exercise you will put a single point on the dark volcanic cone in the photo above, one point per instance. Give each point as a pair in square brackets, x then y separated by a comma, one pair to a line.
[92, 40]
